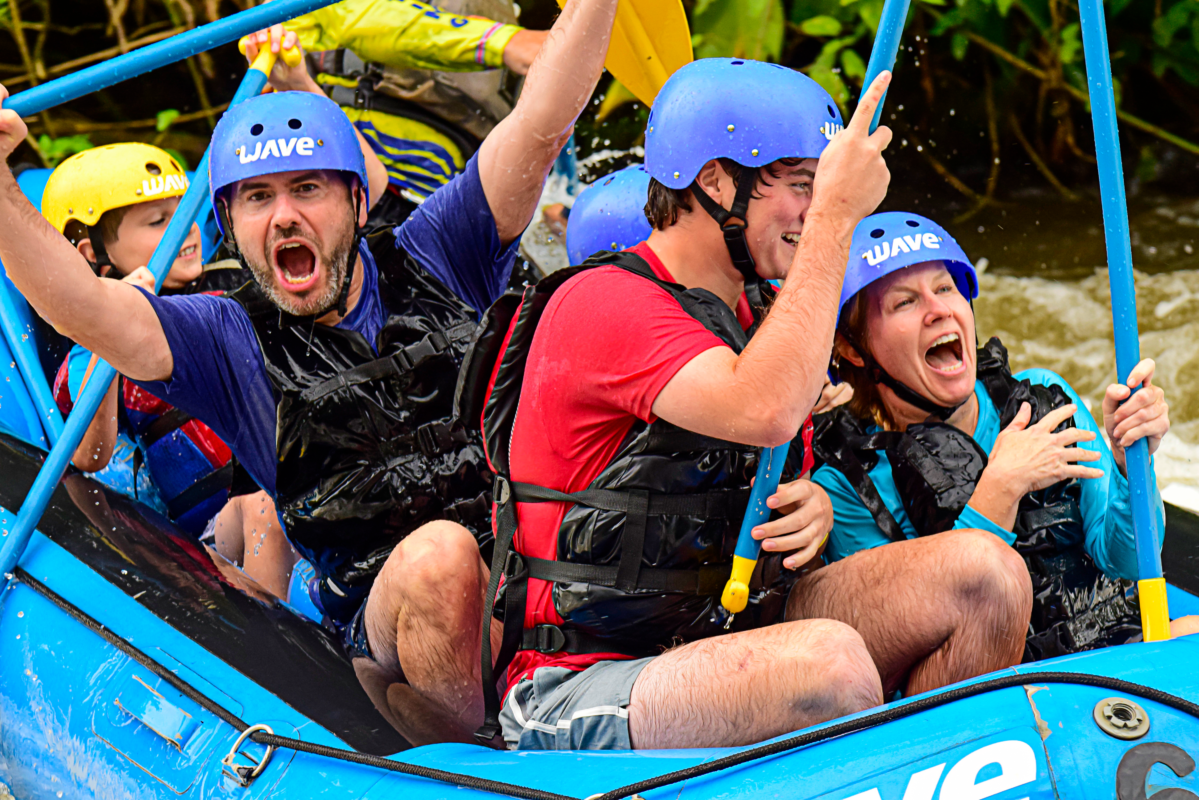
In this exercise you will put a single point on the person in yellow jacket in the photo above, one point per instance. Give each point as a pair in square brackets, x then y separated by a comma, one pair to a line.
[424, 84]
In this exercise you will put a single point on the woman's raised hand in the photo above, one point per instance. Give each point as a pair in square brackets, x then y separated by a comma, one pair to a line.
[1144, 415]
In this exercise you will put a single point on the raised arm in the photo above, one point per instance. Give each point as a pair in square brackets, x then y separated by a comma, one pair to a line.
[110, 318]
[516, 157]
[763, 395]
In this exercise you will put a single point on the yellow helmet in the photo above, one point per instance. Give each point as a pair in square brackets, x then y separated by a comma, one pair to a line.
[112, 176]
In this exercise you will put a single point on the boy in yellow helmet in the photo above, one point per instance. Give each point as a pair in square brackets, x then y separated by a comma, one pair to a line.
[113, 203]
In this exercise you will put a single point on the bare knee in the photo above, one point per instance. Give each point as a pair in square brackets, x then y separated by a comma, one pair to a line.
[990, 574]
[837, 654]
[439, 557]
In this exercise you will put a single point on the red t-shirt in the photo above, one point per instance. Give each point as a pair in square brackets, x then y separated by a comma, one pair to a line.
[607, 343]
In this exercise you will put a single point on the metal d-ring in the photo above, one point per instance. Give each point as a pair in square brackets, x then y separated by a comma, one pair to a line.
[245, 775]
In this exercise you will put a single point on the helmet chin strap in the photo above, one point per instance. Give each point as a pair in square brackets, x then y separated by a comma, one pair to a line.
[732, 221]
[98, 249]
[902, 391]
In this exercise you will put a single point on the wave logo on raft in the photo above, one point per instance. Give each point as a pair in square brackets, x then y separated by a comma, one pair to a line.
[831, 129]
[901, 244]
[1017, 767]
[276, 148]
[158, 185]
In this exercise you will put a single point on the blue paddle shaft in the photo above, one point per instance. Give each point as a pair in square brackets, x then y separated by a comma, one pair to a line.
[159, 54]
[92, 395]
[1119, 262]
[25, 354]
[886, 48]
[770, 470]
[770, 467]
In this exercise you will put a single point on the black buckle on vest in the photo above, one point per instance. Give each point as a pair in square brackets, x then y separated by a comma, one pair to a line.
[415, 354]
[467, 511]
[544, 639]
[438, 437]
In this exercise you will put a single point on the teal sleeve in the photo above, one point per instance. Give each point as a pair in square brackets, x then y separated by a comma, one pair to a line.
[969, 518]
[1105, 503]
[854, 528]
[77, 361]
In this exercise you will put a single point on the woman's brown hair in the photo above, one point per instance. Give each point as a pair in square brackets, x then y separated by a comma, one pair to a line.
[867, 402]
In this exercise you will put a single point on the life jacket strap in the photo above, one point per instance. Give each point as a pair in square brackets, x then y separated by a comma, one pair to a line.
[547, 639]
[166, 424]
[718, 504]
[216, 481]
[708, 580]
[395, 365]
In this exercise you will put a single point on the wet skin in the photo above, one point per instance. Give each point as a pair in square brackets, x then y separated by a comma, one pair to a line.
[920, 329]
[294, 230]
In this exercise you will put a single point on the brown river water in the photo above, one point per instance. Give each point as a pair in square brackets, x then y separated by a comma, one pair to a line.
[1044, 292]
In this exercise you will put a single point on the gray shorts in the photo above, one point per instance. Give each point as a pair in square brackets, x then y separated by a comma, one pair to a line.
[560, 709]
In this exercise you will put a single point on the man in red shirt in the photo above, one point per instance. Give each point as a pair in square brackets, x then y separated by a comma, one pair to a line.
[643, 398]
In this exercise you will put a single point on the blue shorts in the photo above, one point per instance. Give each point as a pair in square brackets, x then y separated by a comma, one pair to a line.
[561, 709]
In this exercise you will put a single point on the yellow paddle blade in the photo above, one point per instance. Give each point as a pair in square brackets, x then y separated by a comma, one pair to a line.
[651, 39]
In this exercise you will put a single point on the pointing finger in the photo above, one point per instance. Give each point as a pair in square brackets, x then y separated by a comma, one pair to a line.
[863, 115]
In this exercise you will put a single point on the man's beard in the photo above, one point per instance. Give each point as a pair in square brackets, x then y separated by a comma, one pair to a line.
[334, 260]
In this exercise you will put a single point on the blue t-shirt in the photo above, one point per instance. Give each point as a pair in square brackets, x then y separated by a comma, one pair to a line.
[219, 375]
[1105, 505]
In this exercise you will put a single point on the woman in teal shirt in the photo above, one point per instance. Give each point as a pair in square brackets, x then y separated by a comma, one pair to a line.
[939, 436]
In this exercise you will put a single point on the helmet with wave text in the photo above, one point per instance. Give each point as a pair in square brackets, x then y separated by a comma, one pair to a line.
[281, 132]
[888, 242]
[609, 214]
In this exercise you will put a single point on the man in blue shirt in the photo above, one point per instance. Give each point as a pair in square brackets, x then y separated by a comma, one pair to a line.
[331, 376]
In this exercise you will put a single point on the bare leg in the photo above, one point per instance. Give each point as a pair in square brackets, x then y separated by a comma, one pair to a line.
[932, 611]
[745, 687]
[269, 556]
[423, 620]
[1184, 626]
[228, 532]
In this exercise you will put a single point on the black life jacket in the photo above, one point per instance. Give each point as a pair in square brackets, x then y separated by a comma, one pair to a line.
[367, 449]
[644, 552]
[936, 468]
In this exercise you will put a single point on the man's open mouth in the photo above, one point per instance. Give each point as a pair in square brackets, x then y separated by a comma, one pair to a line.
[791, 238]
[297, 266]
[945, 354]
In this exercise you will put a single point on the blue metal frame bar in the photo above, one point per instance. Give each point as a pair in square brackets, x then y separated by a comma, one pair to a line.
[30, 366]
[159, 54]
[91, 396]
[1119, 262]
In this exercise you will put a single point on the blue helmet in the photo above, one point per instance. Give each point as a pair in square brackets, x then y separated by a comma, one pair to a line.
[749, 111]
[609, 214]
[281, 132]
[886, 243]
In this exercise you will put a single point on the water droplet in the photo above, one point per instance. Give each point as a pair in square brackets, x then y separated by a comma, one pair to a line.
[124, 572]
[20, 614]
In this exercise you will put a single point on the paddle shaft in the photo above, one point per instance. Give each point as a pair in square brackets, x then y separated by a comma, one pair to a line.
[886, 48]
[770, 465]
[93, 393]
[159, 54]
[29, 365]
[1154, 613]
